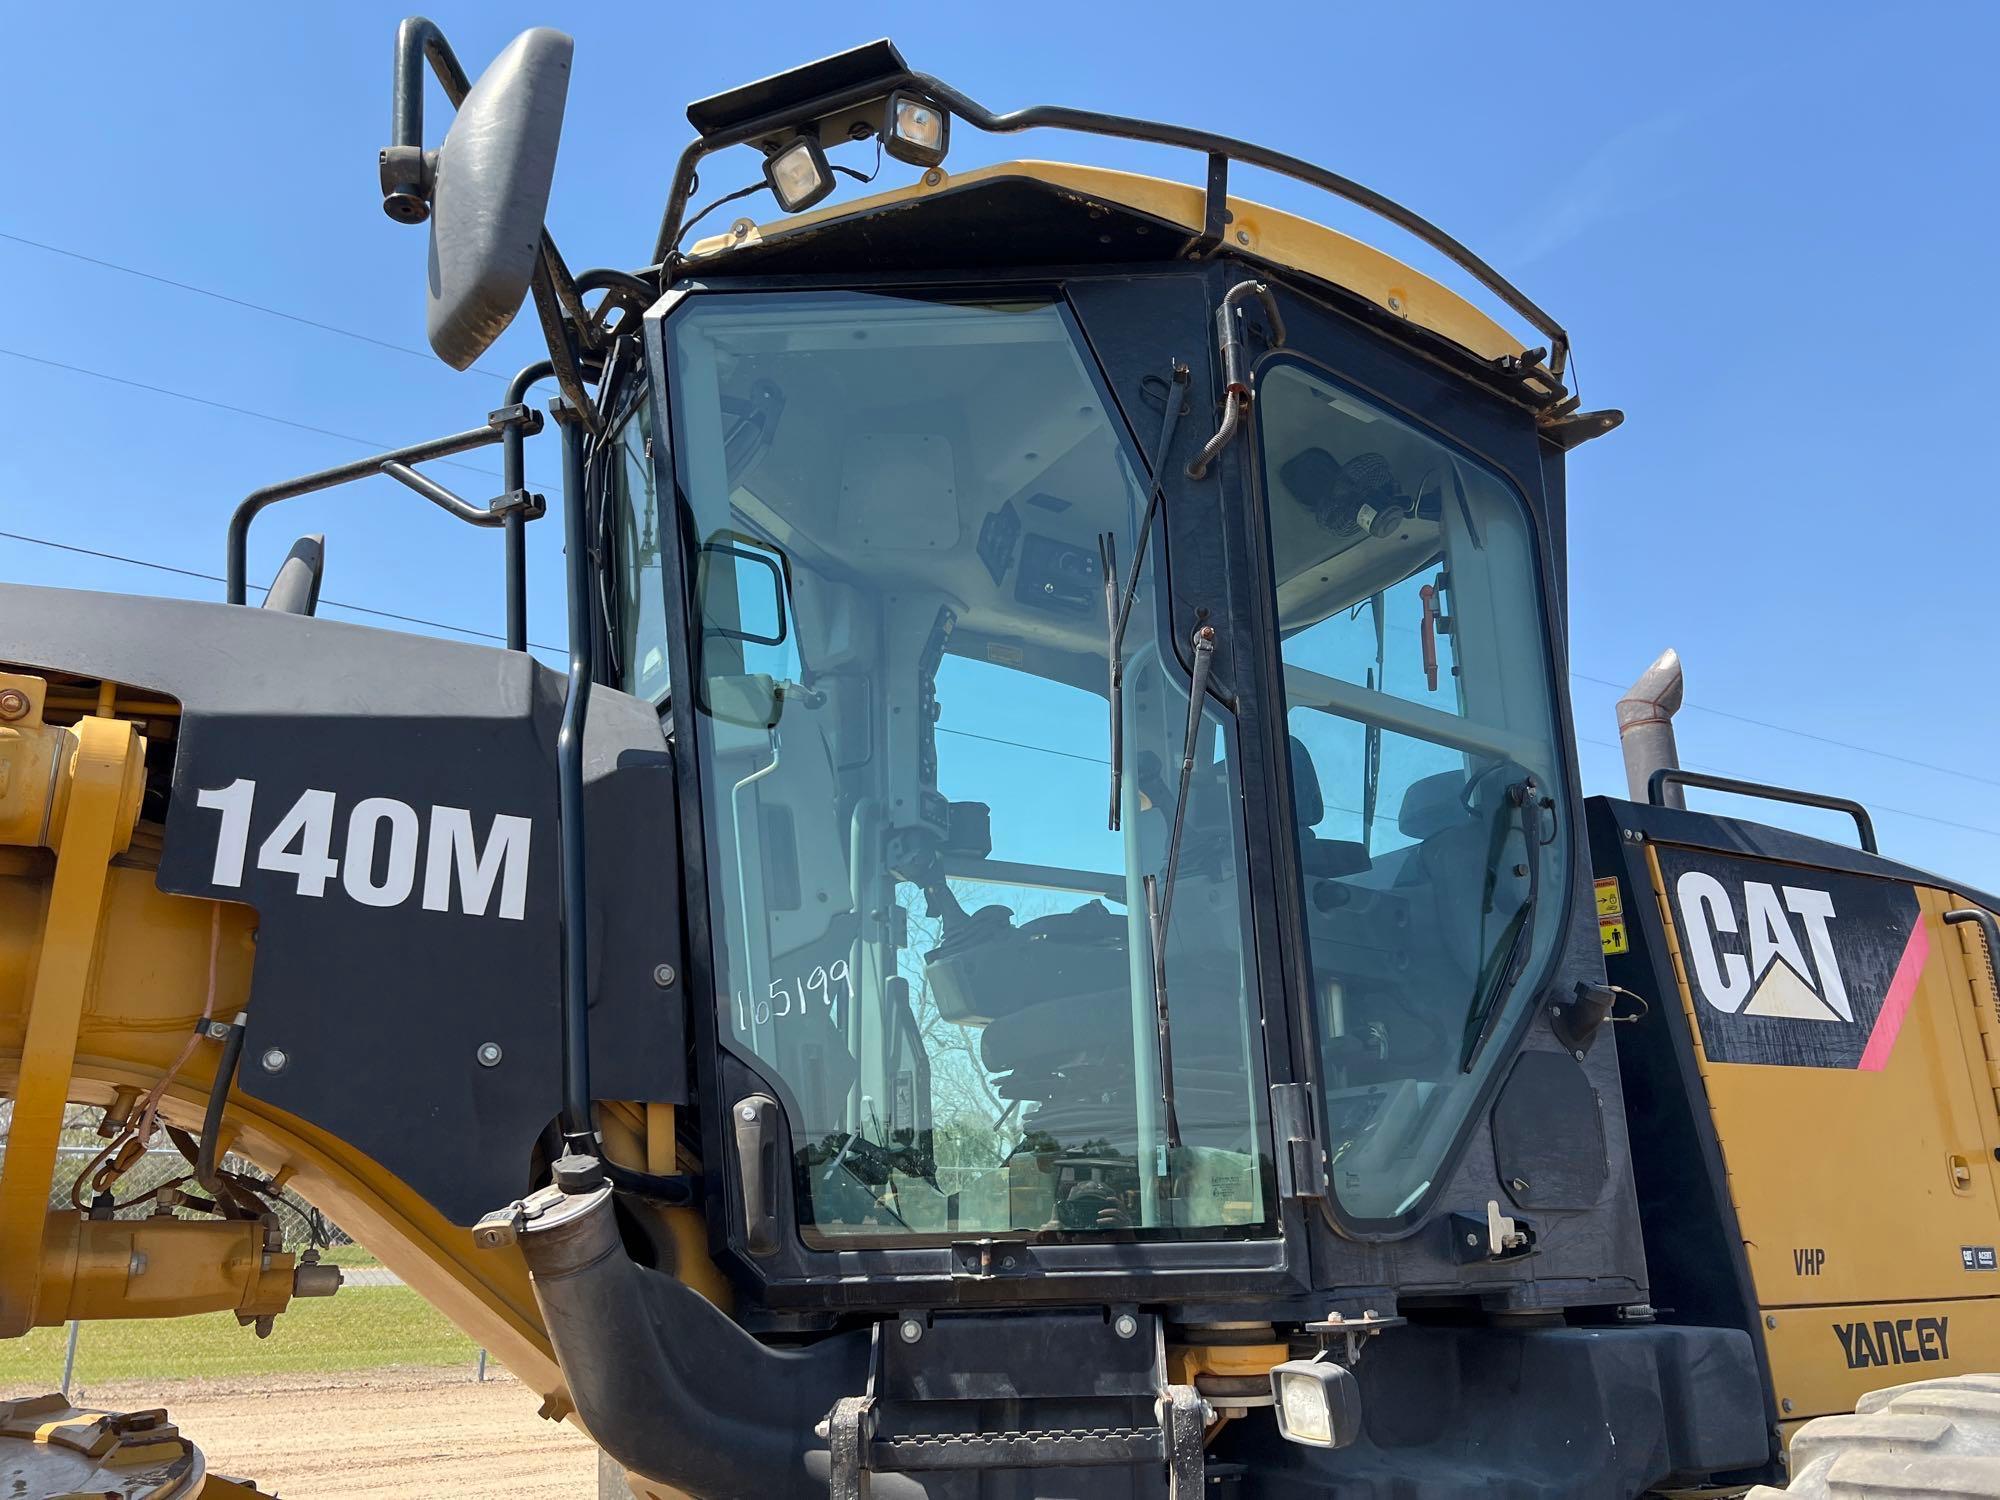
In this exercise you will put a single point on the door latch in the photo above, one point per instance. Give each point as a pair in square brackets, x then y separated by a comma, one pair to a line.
[1495, 1237]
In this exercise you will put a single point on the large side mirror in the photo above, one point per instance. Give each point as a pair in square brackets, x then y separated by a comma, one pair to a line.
[486, 189]
[492, 193]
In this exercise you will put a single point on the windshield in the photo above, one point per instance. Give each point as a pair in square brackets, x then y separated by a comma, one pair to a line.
[1424, 770]
[926, 936]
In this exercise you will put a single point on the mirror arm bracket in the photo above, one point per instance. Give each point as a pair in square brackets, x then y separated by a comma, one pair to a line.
[408, 171]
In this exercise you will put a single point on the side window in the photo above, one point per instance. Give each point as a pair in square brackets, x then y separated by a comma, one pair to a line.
[639, 627]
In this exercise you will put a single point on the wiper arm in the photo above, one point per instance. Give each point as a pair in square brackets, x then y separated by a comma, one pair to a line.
[1118, 601]
[1503, 970]
[1160, 892]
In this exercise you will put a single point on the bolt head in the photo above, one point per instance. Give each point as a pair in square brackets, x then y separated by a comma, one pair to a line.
[13, 704]
[910, 1330]
[1125, 1326]
[274, 1060]
[1786, 1404]
[488, 1054]
[663, 975]
[933, 177]
[1770, 1321]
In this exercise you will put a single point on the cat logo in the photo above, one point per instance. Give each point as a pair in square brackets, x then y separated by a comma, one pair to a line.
[1788, 973]
[1774, 979]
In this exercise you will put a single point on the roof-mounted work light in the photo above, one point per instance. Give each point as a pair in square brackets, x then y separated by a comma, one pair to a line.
[798, 174]
[914, 130]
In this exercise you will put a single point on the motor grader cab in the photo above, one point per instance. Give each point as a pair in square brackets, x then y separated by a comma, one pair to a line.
[1046, 943]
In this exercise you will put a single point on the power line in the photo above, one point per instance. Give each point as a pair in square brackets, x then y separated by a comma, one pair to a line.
[1807, 734]
[415, 353]
[385, 614]
[1901, 812]
[359, 609]
[202, 291]
[241, 411]
[967, 734]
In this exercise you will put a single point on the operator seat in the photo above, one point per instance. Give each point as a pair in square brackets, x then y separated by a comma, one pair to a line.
[1320, 858]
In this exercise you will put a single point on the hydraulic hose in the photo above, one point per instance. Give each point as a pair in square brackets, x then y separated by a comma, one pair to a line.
[211, 1118]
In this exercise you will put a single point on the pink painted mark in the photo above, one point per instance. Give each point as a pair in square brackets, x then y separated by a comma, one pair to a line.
[1896, 1004]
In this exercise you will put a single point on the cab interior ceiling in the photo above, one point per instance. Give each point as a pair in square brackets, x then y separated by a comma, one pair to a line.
[1321, 474]
[886, 400]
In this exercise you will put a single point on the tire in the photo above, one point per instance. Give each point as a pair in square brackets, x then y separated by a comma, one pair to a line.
[1937, 1439]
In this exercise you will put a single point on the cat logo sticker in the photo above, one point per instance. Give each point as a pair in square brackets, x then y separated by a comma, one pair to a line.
[1774, 979]
[1800, 968]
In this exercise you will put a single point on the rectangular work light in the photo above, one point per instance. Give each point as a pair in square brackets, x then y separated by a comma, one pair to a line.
[798, 174]
[915, 130]
[1319, 1402]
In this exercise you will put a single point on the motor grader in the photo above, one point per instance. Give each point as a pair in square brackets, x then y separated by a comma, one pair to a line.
[1047, 943]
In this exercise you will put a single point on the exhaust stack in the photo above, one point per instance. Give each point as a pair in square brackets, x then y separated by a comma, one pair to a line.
[1646, 726]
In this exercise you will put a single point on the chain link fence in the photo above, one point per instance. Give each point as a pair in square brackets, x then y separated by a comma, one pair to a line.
[374, 1324]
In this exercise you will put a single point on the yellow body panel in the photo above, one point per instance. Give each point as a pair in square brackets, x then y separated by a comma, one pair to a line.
[1266, 233]
[1863, 1195]
[1897, 1342]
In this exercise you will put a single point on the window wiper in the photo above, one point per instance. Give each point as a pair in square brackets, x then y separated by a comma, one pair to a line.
[1503, 969]
[1118, 601]
[1371, 756]
[1160, 892]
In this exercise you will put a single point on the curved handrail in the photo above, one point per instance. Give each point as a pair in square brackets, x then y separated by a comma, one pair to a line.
[1216, 146]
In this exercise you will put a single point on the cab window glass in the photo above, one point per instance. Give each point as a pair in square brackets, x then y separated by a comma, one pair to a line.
[926, 934]
[1425, 774]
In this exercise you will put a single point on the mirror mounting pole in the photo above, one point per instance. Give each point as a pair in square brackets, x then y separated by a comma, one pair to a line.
[406, 167]
[554, 292]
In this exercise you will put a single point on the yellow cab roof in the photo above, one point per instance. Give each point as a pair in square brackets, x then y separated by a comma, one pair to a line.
[1254, 230]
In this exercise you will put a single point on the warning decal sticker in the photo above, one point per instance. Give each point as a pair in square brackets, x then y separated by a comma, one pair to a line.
[1610, 900]
[1797, 967]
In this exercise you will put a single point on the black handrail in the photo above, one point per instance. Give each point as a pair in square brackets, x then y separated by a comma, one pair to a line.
[508, 425]
[514, 482]
[1666, 776]
[1218, 148]
[578, 1128]
[1986, 925]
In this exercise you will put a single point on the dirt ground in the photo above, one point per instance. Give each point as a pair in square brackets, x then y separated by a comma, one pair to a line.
[385, 1435]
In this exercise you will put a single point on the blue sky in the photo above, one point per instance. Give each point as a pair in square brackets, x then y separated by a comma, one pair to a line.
[1767, 228]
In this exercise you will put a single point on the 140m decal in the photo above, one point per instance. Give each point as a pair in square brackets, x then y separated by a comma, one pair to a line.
[378, 863]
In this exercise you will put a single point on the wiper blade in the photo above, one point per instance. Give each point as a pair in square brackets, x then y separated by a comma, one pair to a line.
[1160, 892]
[1118, 601]
[1510, 956]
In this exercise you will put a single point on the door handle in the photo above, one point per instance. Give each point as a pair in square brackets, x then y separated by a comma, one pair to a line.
[756, 1121]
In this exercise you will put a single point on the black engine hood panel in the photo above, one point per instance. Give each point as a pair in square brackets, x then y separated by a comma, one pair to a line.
[399, 844]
